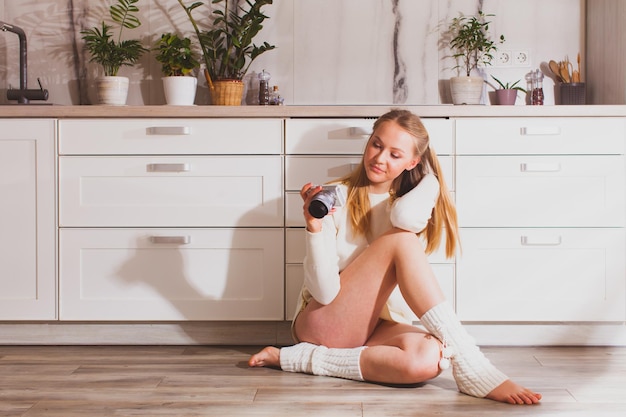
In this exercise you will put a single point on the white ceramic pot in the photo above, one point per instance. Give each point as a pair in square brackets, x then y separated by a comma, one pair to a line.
[466, 90]
[180, 90]
[112, 91]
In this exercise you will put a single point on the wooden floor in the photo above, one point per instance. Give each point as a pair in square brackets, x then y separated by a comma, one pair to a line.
[93, 381]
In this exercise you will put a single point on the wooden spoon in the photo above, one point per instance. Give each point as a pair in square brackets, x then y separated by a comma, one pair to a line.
[554, 67]
[565, 73]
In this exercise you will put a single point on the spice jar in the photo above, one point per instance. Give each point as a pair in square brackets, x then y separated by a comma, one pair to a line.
[264, 88]
[536, 92]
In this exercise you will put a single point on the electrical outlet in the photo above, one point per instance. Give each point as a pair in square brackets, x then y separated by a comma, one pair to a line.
[521, 58]
[503, 59]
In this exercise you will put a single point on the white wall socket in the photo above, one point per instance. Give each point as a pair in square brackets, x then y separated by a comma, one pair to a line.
[511, 58]
[503, 59]
[521, 58]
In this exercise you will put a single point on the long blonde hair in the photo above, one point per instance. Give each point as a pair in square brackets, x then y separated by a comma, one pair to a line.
[444, 213]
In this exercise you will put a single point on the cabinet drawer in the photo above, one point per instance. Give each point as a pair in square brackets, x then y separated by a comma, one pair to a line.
[295, 277]
[170, 191]
[170, 136]
[300, 170]
[541, 191]
[531, 136]
[542, 275]
[349, 136]
[171, 274]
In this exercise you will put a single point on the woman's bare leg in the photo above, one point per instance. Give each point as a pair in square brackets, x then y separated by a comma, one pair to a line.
[396, 258]
[400, 354]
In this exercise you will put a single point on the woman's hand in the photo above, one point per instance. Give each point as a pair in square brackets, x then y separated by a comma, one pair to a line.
[307, 192]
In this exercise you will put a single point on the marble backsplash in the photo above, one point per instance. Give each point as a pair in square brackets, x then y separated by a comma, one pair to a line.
[329, 52]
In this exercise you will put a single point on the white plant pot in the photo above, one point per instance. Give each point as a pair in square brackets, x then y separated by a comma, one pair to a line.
[466, 90]
[180, 90]
[112, 91]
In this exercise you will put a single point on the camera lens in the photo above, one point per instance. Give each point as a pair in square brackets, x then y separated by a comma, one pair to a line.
[321, 204]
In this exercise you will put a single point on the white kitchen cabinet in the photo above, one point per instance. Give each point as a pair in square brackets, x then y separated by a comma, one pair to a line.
[27, 220]
[322, 150]
[171, 274]
[542, 208]
[171, 220]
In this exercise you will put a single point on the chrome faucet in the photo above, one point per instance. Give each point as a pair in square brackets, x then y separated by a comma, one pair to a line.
[23, 95]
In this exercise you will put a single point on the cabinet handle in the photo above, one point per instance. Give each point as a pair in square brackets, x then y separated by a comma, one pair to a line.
[545, 241]
[540, 167]
[169, 130]
[540, 130]
[168, 167]
[171, 240]
[360, 132]
[354, 166]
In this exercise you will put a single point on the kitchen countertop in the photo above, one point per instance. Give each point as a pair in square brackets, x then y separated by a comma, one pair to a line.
[204, 111]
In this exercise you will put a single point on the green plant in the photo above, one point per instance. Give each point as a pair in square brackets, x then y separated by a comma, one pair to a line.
[111, 53]
[471, 42]
[507, 86]
[227, 47]
[175, 55]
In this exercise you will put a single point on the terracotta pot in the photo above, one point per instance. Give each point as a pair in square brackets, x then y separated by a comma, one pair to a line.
[112, 91]
[506, 97]
[180, 90]
[466, 90]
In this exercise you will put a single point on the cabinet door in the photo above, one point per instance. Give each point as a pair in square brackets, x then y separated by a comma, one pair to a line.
[237, 191]
[27, 220]
[542, 275]
[171, 274]
[540, 191]
[170, 136]
[349, 136]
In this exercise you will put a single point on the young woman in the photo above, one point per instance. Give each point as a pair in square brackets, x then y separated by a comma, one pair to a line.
[366, 274]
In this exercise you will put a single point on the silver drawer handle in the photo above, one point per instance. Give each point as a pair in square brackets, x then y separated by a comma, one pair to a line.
[168, 167]
[540, 130]
[540, 167]
[169, 130]
[360, 132]
[354, 165]
[534, 241]
[171, 240]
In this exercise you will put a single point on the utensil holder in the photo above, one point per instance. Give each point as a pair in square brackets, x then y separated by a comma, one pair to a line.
[573, 93]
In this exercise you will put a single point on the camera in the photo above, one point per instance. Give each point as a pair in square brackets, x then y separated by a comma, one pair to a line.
[330, 196]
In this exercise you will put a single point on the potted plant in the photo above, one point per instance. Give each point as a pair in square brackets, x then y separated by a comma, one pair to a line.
[473, 47]
[228, 48]
[507, 93]
[112, 53]
[178, 62]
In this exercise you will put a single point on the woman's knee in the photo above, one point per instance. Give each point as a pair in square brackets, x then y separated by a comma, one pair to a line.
[423, 358]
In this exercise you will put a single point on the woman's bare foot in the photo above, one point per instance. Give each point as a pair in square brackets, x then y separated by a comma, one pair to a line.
[510, 392]
[269, 356]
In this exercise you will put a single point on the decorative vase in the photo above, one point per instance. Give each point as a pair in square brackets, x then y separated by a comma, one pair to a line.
[466, 90]
[506, 97]
[226, 92]
[112, 91]
[180, 90]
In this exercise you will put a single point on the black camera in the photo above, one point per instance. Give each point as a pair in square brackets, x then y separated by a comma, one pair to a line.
[330, 196]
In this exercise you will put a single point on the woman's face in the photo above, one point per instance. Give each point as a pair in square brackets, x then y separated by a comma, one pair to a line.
[389, 152]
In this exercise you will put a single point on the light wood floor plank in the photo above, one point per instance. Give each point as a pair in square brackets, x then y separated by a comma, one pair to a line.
[95, 381]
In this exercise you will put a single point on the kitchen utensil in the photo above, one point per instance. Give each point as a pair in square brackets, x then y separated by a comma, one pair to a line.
[564, 72]
[554, 67]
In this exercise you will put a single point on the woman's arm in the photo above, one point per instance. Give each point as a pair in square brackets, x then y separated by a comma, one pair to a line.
[413, 210]
[321, 263]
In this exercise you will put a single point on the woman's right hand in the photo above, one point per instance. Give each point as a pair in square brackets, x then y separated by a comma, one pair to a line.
[313, 225]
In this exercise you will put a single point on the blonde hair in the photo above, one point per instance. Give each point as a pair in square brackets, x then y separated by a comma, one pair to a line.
[444, 213]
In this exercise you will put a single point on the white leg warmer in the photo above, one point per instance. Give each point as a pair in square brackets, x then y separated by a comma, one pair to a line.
[320, 360]
[472, 371]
